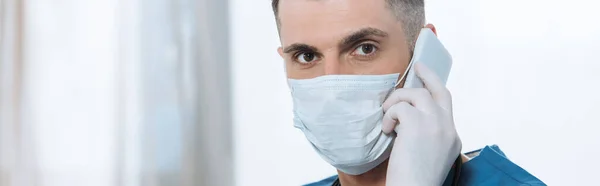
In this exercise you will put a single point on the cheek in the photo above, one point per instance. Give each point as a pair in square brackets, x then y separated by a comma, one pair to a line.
[390, 63]
[293, 71]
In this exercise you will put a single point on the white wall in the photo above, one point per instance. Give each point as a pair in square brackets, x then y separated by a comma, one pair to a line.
[525, 77]
[269, 150]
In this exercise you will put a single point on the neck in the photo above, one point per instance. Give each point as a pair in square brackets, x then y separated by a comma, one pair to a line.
[373, 177]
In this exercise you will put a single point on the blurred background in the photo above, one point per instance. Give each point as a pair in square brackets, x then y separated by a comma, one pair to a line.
[193, 92]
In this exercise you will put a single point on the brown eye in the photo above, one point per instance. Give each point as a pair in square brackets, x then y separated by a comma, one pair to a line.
[365, 50]
[306, 58]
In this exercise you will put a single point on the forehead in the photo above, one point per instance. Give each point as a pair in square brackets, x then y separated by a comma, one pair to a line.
[307, 21]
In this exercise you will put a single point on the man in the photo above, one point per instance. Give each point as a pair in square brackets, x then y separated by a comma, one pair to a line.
[343, 58]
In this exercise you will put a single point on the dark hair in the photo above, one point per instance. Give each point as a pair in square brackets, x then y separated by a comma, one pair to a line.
[411, 13]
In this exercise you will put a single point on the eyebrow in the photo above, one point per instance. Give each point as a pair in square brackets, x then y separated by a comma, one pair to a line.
[360, 35]
[344, 43]
[299, 47]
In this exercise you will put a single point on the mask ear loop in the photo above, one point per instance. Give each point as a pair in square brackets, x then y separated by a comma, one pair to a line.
[410, 64]
[404, 74]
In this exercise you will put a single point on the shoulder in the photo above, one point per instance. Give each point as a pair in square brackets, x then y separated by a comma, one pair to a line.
[490, 166]
[325, 182]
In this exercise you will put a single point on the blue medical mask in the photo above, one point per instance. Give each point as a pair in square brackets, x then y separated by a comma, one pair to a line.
[341, 116]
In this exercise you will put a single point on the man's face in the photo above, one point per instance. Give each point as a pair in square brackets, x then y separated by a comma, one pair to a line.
[325, 37]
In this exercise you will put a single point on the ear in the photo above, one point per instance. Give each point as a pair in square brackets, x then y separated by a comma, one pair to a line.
[430, 26]
[280, 51]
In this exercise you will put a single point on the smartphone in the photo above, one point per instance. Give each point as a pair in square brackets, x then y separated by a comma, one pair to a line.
[432, 53]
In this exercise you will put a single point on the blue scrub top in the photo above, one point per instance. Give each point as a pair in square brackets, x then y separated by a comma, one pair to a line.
[490, 167]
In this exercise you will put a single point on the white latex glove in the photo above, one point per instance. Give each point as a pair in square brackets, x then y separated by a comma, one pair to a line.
[427, 143]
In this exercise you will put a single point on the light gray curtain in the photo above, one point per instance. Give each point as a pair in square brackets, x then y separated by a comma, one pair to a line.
[187, 122]
[215, 131]
[173, 99]
[17, 149]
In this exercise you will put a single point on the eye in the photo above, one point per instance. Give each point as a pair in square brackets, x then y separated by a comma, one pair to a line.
[304, 58]
[365, 50]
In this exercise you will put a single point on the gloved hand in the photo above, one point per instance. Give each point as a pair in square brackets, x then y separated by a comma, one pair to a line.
[427, 143]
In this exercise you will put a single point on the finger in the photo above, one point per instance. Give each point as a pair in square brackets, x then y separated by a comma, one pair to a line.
[432, 82]
[398, 114]
[418, 97]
